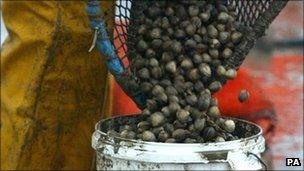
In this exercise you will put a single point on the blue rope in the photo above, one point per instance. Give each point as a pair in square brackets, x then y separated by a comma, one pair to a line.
[107, 49]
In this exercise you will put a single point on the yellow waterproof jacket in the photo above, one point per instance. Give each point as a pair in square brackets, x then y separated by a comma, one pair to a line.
[52, 90]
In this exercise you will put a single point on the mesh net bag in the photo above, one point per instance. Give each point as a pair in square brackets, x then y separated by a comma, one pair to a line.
[170, 57]
[254, 17]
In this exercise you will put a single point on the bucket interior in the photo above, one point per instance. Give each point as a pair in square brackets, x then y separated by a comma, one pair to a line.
[243, 129]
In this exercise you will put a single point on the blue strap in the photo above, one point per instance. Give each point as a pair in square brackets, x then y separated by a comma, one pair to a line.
[107, 49]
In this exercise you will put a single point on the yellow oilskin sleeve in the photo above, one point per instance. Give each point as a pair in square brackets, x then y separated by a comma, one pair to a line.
[53, 91]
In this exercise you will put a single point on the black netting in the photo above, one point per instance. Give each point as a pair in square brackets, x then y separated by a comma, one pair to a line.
[177, 54]
[247, 11]
[252, 16]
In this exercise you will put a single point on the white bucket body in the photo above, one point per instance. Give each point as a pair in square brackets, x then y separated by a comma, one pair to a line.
[114, 153]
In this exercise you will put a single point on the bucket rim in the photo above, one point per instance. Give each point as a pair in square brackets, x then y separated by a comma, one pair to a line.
[120, 139]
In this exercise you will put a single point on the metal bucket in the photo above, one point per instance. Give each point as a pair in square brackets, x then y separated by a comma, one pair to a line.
[114, 153]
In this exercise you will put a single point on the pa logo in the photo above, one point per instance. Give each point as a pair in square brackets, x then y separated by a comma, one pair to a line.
[293, 162]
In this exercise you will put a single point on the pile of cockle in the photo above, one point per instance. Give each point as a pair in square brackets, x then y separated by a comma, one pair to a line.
[178, 56]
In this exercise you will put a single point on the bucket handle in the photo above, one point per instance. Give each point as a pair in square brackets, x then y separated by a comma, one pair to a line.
[259, 159]
[245, 160]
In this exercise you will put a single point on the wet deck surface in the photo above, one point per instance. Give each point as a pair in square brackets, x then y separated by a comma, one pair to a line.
[281, 78]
